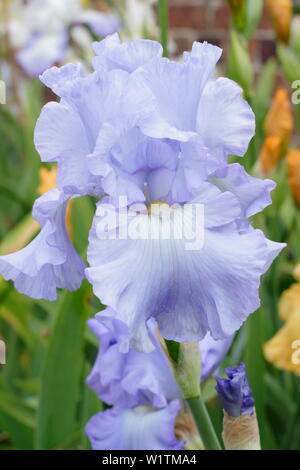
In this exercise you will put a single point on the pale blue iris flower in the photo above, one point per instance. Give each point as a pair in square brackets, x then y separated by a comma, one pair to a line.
[149, 129]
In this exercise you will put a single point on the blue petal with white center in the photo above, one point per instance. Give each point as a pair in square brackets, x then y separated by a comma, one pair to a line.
[189, 291]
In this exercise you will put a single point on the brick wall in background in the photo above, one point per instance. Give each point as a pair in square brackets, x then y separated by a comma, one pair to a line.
[200, 20]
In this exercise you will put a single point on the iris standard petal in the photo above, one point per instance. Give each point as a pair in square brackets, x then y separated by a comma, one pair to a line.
[60, 136]
[225, 120]
[67, 132]
[128, 160]
[177, 88]
[128, 56]
[207, 53]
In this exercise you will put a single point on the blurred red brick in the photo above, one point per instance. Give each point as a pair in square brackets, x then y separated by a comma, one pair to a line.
[222, 16]
[183, 42]
[265, 22]
[210, 20]
[187, 17]
[267, 49]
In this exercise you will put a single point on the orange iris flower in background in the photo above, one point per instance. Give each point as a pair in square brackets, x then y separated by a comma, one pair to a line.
[278, 126]
[281, 12]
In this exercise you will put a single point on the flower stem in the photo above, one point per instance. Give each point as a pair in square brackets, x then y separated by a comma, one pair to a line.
[163, 14]
[204, 424]
[186, 362]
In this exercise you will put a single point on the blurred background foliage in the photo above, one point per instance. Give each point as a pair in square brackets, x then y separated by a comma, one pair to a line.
[44, 402]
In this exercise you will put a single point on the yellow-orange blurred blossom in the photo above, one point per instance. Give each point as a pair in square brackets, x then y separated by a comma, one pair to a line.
[47, 182]
[281, 12]
[270, 153]
[30, 227]
[47, 179]
[289, 301]
[293, 165]
[296, 272]
[279, 120]
[283, 350]
[278, 126]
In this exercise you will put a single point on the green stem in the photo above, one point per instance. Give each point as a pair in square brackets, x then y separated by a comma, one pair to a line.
[163, 15]
[204, 424]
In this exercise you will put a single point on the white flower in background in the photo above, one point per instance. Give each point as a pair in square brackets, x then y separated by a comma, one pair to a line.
[39, 30]
[139, 18]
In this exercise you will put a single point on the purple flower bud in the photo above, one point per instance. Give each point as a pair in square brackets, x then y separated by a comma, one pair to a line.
[235, 393]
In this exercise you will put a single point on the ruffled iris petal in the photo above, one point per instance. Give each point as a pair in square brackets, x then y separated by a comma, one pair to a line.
[225, 120]
[168, 81]
[188, 291]
[253, 194]
[55, 140]
[50, 260]
[140, 428]
[132, 378]
[112, 54]
[67, 132]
